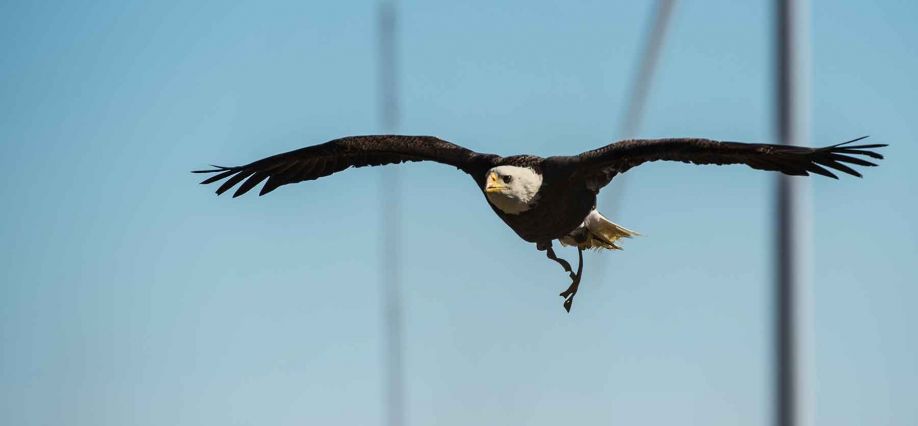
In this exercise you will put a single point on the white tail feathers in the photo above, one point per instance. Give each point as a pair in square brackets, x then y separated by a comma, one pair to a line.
[597, 232]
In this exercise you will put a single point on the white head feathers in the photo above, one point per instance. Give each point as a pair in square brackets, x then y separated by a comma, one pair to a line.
[512, 189]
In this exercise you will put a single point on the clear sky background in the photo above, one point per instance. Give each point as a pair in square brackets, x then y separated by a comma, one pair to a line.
[131, 295]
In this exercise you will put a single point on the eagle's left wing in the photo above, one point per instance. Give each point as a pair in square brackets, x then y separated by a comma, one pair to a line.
[603, 163]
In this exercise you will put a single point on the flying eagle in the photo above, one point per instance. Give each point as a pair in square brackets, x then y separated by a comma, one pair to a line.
[541, 199]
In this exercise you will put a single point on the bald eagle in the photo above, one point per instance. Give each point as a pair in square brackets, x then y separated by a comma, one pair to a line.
[541, 199]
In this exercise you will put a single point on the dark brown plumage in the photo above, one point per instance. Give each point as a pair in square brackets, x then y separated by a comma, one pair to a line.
[569, 183]
[792, 160]
[317, 161]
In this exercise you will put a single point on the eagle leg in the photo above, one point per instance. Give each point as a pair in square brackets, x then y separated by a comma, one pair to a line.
[567, 266]
[568, 294]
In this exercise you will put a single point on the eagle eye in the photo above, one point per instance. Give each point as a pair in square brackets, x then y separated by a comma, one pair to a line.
[507, 179]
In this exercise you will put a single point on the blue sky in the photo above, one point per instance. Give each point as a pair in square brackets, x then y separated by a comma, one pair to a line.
[132, 295]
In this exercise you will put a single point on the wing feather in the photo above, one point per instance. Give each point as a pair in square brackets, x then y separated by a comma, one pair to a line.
[219, 176]
[250, 183]
[621, 156]
[317, 161]
[231, 182]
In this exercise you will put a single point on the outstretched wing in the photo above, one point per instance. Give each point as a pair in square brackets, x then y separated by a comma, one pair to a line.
[317, 161]
[603, 163]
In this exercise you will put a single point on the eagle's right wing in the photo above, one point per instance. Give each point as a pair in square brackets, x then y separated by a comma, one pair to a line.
[317, 161]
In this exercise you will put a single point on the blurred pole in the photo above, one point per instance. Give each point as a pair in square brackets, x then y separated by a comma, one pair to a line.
[390, 192]
[634, 115]
[631, 120]
[793, 222]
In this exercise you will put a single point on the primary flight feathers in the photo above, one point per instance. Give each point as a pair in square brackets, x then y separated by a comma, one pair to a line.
[321, 160]
[599, 164]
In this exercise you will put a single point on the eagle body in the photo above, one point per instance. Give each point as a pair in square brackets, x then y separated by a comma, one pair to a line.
[541, 199]
[561, 206]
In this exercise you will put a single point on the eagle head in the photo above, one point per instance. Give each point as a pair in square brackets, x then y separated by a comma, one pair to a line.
[512, 189]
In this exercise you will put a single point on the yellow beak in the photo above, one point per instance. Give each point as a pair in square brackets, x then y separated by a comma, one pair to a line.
[494, 184]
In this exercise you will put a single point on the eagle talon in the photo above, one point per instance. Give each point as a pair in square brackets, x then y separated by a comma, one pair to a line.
[568, 303]
[571, 291]
[569, 294]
